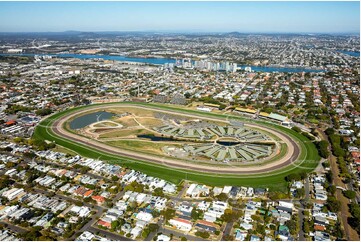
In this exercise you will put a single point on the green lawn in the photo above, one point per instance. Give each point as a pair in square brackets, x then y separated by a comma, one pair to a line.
[143, 146]
[120, 133]
[64, 150]
[274, 180]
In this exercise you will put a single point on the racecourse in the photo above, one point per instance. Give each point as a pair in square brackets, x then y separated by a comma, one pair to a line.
[301, 155]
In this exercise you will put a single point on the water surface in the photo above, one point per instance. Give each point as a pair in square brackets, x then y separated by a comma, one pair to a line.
[87, 119]
[162, 61]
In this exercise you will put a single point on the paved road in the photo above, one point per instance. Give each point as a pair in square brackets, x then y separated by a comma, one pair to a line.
[301, 234]
[13, 228]
[153, 234]
[118, 196]
[167, 231]
[108, 234]
[88, 225]
[350, 186]
[184, 189]
[94, 218]
[307, 189]
[290, 157]
[180, 234]
[227, 230]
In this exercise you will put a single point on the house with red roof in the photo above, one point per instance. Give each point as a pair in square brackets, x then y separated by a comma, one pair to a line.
[80, 191]
[88, 193]
[104, 224]
[10, 122]
[99, 199]
[355, 154]
[318, 227]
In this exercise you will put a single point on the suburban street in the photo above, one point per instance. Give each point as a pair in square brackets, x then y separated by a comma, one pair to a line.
[350, 233]
[227, 230]
[13, 228]
[180, 234]
[108, 234]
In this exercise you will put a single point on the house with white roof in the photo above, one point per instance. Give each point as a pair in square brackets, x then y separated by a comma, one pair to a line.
[140, 198]
[160, 204]
[144, 216]
[80, 211]
[217, 191]
[135, 232]
[286, 204]
[163, 237]
[169, 188]
[220, 205]
[191, 191]
[250, 192]
[181, 224]
[227, 189]
[85, 236]
[203, 205]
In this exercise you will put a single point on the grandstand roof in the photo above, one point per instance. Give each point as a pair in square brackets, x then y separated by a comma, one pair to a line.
[277, 117]
[264, 114]
[246, 110]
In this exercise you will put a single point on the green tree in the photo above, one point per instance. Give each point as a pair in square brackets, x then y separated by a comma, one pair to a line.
[337, 231]
[196, 214]
[349, 194]
[115, 224]
[292, 225]
[222, 197]
[222, 106]
[322, 147]
[293, 177]
[231, 215]
[300, 192]
[332, 189]
[9, 164]
[333, 204]
[297, 129]
[153, 227]
[306, 226]
[158, 192]
[155, 213]
[43, 112]
[202, 234]
[168, 214]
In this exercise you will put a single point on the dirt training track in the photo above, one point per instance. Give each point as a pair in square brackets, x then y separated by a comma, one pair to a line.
[291, 156]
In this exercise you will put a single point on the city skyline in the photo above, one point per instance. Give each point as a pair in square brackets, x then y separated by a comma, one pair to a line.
[247, 17]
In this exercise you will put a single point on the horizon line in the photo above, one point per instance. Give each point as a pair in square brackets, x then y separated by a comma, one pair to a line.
[178, 32]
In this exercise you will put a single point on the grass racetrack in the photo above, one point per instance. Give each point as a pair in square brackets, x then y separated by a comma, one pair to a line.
[274, 180]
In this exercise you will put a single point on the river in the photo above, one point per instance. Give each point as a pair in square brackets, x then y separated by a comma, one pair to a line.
[351, 53]
[162, 61]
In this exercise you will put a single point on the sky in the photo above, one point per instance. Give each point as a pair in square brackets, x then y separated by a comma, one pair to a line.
[247, 17]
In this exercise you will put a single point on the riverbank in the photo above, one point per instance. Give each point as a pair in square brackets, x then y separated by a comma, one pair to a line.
[162, 61]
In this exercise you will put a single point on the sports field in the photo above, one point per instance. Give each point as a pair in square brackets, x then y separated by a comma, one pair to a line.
[306, 160]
